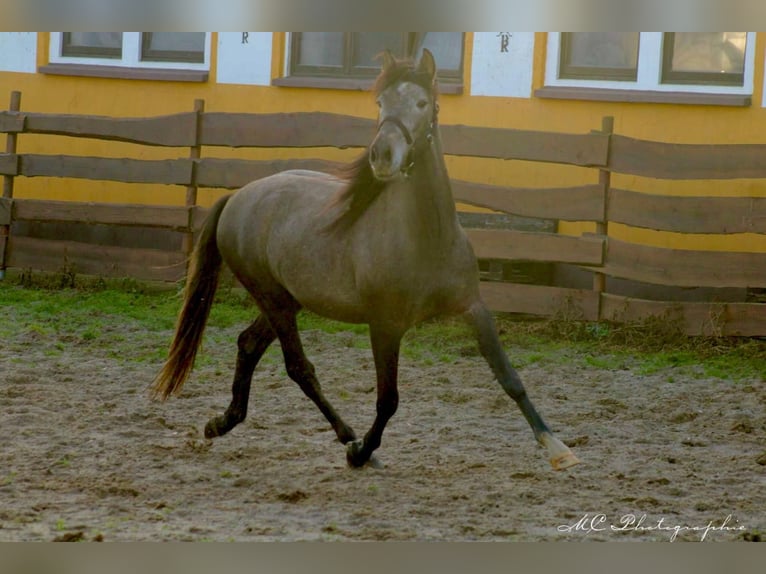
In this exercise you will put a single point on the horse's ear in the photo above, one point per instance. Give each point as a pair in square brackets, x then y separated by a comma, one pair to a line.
[387, 59]
[427, 65]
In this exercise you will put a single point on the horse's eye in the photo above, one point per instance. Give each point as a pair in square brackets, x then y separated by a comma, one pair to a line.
[379, 103]
[422, 104]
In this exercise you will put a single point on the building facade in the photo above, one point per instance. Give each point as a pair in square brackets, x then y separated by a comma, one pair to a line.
[697, 88]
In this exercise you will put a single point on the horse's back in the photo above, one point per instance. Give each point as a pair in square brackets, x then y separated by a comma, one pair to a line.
[290, 192]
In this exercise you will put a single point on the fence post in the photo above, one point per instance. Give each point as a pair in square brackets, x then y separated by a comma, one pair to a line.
[191, 190]
[10, 148]
[602, 227]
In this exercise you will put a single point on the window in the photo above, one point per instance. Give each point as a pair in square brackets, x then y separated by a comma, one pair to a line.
[704, 58]
[181, 56]
[351, 55]
[94, 44]
[678, 67]
[173, 47]
[599, 55]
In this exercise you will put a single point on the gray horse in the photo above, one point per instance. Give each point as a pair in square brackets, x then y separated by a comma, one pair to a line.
[379, 244]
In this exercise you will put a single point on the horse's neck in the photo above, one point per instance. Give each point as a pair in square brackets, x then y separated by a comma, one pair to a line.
[435, 204]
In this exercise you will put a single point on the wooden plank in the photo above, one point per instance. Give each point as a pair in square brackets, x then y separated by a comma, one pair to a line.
[168, 171]
[686, 161]
[688, 214]
[299, 129]
[580, 203]
[110, 261]
[6, 207]
[631, 96]
[540, 300]
[529, 246]
[235, 173]
[708, 319]
[576, 149]
[9, 164]
[11, 122]
[684, 267]
[197, 217]
[171, 130]
[320, 129]
[169, 217]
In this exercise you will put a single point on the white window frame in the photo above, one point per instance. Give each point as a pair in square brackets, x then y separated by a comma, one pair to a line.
[131, 55]
[649, 76]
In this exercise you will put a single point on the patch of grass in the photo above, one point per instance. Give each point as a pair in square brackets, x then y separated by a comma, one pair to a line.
[64, 461]
[439, 341]
[648, 347]
[101, 315]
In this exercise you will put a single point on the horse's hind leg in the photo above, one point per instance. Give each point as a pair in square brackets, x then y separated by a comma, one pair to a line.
[489, 344]
[252, 343]
[300, 369]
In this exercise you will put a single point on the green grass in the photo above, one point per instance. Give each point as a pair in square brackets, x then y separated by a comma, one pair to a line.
[132, 321]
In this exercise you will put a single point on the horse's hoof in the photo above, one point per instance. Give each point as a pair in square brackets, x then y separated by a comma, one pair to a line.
[355, 454]
[558, 453]
[356, 458]
[213, 428]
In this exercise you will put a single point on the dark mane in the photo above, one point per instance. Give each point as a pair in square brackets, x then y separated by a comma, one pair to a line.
[363, 188]
[354, 199]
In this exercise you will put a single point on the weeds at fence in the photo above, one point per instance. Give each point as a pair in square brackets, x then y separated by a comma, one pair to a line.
[654, 343]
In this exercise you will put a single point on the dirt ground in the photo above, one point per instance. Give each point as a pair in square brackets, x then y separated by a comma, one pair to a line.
[86, 456]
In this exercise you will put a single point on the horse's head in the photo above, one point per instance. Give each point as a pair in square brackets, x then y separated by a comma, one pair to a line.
[406, 95]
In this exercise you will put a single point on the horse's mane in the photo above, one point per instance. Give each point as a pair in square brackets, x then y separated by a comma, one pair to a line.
[363, 188]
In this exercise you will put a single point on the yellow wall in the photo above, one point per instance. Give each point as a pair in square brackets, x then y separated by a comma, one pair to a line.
[662, 122]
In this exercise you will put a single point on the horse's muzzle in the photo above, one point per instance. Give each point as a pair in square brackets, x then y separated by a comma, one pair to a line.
[390, 150]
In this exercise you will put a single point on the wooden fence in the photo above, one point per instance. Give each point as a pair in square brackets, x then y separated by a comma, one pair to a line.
[598, 202]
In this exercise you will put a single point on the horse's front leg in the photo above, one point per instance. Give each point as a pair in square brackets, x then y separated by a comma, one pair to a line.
[385, 350]
[489, 344]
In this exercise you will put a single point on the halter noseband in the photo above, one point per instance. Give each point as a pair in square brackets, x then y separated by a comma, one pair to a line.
[399, 124]
[429, 137]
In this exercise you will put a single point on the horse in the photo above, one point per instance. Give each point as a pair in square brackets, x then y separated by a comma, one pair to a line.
[380, 244]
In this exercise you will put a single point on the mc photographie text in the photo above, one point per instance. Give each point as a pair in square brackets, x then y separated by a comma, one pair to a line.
[597, 522]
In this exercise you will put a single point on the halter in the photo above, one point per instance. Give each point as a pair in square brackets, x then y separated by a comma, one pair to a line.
[429, 137]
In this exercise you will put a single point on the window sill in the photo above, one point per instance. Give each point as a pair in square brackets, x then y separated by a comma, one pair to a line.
[96, 71]
[361, 84]
[643, 96]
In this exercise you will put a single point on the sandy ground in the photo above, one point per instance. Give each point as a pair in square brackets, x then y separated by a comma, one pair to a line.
[86, 456]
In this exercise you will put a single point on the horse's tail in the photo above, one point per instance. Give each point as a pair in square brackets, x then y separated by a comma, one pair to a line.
[201, 284]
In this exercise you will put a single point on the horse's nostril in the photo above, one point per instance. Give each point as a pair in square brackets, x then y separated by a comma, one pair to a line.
[381, 153]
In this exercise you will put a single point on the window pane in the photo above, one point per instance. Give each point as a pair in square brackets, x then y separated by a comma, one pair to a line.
[367, 45]
[93, 44]
[716, 52]
[603, 49]
[321, 49]
[447, 48]
[177, 41]
[352, 54]
[173, 46]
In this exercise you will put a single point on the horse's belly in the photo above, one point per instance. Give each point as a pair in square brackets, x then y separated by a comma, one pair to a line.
[322, 284]
[333, 305]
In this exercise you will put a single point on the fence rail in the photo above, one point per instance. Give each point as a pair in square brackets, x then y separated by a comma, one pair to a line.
[598, 202]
